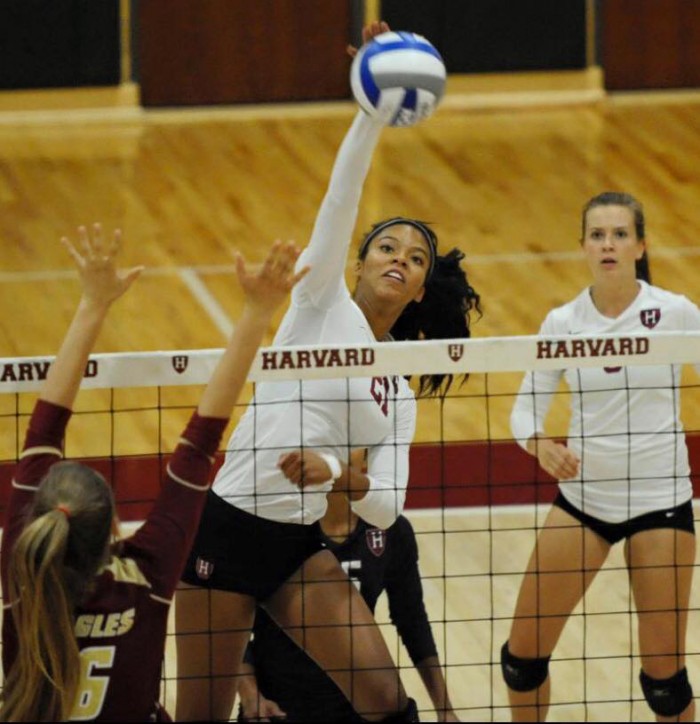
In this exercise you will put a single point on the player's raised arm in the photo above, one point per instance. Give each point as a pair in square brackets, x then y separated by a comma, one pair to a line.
[328, 247]
[95, 258]
[265, 289]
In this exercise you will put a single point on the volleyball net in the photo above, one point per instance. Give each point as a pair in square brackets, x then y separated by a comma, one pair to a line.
[475, 498]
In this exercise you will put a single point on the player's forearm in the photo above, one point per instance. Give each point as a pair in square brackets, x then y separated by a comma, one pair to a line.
[248, 688]
[230, 375]
[67, 370]
[432, 676]
[330, 240]
[354, 158]
[374, 501]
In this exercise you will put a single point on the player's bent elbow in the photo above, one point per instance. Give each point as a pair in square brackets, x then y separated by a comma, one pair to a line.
[379, 509]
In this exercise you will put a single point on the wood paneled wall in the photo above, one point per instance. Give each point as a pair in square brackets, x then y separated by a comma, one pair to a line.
[236, 51]
[650, 44]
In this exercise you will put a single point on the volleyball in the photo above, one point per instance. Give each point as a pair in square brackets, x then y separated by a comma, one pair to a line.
[398, 78]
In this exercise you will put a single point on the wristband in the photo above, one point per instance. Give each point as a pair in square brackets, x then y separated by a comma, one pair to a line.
[334, 465]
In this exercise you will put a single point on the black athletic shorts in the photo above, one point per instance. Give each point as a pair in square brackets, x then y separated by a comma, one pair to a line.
[239, 552]
[680, 518]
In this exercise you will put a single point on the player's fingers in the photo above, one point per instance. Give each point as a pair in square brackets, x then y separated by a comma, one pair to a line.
[283, 462]
[299, 275]
[566, 468]
[380, 26]
[570, 461]
[292, 251]
[85, 243]
[287, 461]
[131, 275]
[286, 255]
[293, 473]
[273, 260]
[98, 245]
[552, 463]
[241, 270]
[280, 262]
[368, 32]
[77, 258]
[115, 244]
[289, 275]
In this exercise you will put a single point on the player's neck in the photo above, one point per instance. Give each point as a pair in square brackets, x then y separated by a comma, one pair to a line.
[612, 298]
[380, 317]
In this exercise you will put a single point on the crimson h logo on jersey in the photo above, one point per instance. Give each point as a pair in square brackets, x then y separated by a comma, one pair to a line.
[203, 569]
[455, 351]
[376, 540]
[650, 317]
[179, 362]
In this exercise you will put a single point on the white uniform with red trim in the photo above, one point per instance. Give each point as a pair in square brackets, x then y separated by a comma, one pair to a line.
[331, 416]
[625, 421]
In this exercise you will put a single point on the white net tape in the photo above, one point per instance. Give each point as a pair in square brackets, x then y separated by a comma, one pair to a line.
[494, 354]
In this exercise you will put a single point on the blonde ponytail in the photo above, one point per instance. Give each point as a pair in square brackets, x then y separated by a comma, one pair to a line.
[43, 681]
[51, 568]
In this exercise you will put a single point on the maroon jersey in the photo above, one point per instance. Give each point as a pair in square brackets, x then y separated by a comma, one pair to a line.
[121, 628]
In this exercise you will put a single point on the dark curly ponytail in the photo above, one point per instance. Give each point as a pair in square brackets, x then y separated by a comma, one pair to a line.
[444, 313]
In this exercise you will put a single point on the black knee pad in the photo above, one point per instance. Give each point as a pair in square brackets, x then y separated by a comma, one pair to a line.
[409, 714]
[667, 697]
[523, 674]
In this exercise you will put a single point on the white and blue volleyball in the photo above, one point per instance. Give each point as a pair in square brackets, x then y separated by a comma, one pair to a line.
[398, 78]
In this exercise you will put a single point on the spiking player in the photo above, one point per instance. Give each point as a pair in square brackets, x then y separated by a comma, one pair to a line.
[255, 542]
[624, 475]
[85, 621]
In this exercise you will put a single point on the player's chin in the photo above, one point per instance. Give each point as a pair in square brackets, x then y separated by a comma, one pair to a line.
[396, 293]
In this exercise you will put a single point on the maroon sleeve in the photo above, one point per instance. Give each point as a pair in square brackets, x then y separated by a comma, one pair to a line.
[42, 448]
[45, 436]
[163, 542]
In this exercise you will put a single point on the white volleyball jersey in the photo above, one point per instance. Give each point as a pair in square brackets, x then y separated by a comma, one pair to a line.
[332, 416]
[625, 421]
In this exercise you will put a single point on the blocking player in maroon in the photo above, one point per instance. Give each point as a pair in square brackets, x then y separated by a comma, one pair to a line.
[85, 620]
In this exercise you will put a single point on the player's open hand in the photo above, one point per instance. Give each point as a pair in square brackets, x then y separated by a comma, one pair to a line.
[268, 285]
[368, 32]
[95, 259]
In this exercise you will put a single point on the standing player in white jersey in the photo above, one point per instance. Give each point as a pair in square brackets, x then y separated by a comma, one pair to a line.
[623, 475]
[256, 543]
